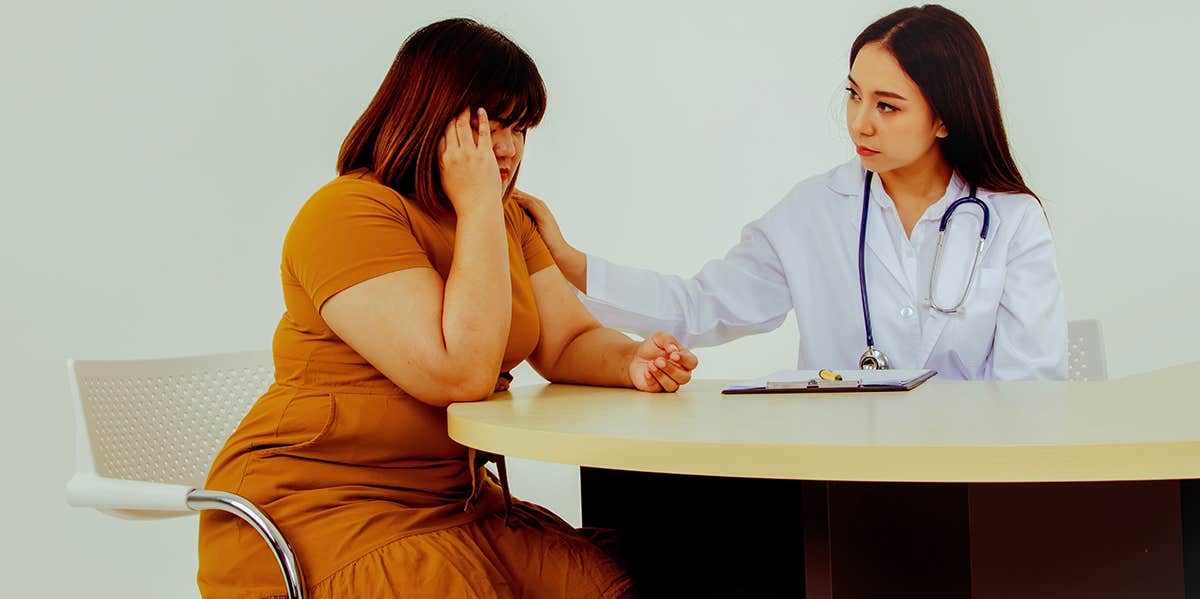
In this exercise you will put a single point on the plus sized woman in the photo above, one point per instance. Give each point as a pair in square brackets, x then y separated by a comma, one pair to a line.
[412, 281]
[854, 251]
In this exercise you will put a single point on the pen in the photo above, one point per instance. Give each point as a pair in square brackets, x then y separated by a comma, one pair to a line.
[829, 375]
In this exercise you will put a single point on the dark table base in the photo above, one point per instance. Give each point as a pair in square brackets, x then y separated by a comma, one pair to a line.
[697, 536]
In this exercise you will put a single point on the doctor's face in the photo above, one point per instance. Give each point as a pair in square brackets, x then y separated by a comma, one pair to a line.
[887, 116]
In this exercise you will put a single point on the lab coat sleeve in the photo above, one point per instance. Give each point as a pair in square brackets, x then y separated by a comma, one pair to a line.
[742, 294]
[1031, 325]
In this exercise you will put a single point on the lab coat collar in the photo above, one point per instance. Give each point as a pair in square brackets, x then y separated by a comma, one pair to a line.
[847, 179]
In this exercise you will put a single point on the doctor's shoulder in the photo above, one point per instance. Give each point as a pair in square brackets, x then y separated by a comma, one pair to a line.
[1017, 214]
[818, 199]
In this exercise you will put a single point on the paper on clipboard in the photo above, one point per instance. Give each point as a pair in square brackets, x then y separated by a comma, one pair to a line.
[801, 379]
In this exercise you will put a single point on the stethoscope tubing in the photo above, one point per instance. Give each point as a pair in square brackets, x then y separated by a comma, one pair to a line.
[878, 357]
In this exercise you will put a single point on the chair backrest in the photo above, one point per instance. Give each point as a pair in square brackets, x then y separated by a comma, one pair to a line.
[162, 420]
[1085, 351]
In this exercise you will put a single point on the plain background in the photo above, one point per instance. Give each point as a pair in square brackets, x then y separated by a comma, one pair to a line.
[154, 154]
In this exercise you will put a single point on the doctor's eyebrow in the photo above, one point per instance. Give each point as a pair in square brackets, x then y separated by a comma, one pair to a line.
[881, 93]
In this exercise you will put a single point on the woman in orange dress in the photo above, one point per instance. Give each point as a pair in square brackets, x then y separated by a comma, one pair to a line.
[413, 281]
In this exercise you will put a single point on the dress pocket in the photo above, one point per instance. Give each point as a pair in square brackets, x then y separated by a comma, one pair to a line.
[303, 423]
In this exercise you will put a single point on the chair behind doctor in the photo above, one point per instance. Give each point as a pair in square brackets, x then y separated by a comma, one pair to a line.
[148, 430]
[1085, 351]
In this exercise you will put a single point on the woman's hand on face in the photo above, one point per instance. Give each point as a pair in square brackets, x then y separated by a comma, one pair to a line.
[470, 175]
[572, 262]
[660, 363]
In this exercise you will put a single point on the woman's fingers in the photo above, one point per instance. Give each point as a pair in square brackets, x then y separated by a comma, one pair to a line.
[672, 369]
[674, 351]
[666, 382]
[451, 138]
[462, 129]
[485, 132]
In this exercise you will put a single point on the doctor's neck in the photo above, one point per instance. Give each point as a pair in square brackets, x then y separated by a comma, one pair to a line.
[918, 185]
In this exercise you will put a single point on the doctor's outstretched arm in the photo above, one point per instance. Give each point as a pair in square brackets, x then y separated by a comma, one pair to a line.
[742, 294]
[1031, 326]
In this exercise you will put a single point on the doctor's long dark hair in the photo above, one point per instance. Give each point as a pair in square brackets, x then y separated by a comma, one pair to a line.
[946, 58]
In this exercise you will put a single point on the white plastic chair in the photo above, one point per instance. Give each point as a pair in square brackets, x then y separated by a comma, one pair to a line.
[148, 430]
[1085, 351]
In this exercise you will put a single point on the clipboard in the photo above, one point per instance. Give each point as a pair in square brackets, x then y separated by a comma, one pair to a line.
[776, 384]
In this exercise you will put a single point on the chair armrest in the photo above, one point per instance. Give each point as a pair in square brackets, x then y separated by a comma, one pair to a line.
[128, 498]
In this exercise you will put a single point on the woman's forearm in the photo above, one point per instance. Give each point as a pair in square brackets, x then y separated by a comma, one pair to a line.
[477, 308]
[597, 356]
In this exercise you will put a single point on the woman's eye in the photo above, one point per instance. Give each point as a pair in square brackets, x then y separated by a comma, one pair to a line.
[885, 107]
[853, 94]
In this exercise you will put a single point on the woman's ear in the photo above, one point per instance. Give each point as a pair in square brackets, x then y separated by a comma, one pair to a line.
[941, 132]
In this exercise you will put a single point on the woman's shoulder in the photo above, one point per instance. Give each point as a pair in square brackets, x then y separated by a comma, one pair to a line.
[357, 184]
[356, 192]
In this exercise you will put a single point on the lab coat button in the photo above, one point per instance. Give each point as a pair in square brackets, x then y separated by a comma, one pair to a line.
[907, 312]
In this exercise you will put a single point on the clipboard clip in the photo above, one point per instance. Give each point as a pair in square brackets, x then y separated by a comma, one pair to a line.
[815, 384]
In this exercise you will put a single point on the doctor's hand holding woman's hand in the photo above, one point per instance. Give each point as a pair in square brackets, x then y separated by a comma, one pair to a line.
[572, 262]
[660, 363]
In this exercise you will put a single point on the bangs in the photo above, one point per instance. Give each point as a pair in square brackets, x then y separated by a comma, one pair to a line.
[509, 87]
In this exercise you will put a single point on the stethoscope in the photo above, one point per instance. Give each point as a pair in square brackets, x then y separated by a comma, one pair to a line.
[874, 359]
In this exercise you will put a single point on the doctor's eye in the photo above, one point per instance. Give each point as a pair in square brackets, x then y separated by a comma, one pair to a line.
[853, 94]
[885, 107]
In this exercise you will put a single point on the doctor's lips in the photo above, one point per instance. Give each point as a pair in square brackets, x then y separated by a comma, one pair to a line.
[865, 151]
[504, 173]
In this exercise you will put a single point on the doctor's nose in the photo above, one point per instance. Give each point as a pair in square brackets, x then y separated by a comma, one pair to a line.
[860, 122]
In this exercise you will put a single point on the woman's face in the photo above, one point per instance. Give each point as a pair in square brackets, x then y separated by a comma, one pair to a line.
[887, 116]
[508, 145]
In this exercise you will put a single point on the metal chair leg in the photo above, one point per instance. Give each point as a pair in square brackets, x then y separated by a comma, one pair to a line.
[202, 499]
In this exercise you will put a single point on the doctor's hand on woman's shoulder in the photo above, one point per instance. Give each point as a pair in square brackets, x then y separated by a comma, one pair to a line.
[572, 262]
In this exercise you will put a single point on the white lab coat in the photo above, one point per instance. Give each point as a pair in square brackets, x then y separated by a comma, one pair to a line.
[802, 255]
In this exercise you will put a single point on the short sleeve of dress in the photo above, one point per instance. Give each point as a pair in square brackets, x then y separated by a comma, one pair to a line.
[347, 233]
[537, 255]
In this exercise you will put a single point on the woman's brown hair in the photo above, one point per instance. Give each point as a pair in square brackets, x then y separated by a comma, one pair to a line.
[441, 70]
[946, 58]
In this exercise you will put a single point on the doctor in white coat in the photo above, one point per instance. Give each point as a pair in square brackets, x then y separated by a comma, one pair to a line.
[923, 115]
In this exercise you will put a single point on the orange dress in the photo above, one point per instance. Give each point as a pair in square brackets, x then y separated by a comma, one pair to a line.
[362, 479]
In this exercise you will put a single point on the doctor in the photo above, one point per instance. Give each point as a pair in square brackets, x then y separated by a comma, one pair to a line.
[854, 251]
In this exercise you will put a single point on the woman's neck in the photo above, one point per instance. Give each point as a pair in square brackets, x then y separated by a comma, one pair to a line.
[916, 187]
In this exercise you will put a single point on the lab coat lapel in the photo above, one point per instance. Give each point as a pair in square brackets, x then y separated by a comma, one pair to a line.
[879, 241]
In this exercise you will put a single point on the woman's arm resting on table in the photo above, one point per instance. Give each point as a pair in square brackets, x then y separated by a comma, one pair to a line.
[574, 348]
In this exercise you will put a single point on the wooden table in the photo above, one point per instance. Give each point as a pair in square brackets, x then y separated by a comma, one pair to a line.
[1024, 488]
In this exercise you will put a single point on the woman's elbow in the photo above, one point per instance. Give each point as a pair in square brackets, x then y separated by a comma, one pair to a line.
[462, 388]
[441, 385]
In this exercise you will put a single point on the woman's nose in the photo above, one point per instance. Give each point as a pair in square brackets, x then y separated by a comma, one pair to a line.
[503, 144]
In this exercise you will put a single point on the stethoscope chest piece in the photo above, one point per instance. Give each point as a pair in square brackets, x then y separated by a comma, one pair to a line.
[873, 359]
